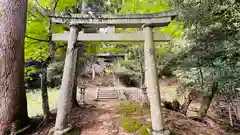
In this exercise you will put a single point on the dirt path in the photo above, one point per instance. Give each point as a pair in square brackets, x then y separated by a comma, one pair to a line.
[102, 119]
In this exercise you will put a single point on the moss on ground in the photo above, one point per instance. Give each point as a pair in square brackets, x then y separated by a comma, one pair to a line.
[144, 130]
[132, 114]
[133, 117]
[130, 125]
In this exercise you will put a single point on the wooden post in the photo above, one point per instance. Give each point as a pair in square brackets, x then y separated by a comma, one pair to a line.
[152, 82]
[67, 81]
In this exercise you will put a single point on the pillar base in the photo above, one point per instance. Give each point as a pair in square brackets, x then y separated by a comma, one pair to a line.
[164, 132]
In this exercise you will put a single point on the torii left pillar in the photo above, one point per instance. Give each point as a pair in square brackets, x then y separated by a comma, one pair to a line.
[64, 103]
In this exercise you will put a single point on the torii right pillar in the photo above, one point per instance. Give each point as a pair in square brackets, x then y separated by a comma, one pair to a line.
[151, 82]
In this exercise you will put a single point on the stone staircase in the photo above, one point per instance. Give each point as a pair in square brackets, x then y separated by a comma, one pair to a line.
[107, 94]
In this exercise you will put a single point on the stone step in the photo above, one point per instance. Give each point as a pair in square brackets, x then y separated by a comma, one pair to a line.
[107, 91]
[107, 94]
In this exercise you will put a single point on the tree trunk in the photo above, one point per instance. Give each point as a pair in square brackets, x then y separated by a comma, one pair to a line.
[79, 69]
[206, 101]
[238, 112]
[64, 104]
[45, 103]
[187, 103]
[13, 103]
[144, 94]
[74, 102]
[141, 62]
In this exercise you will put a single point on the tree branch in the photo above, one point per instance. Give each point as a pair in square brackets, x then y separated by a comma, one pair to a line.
[31, 44]
[51, 43]
[40, 40]
[40, 5]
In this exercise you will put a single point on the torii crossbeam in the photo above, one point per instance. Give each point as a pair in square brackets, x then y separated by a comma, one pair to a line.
[120, 21]
[146, 22]
[107, 21]
[112, 37]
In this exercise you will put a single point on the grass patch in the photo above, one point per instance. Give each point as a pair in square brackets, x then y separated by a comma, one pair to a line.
[144, 130]
[130, 125]
[128, 108]
[34, 101]
[132, 117]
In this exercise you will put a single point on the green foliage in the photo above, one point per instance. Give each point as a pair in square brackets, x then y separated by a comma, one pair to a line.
[144, 130]
[127, 108]
[28, 70]
[36, 41]
[133, 116]
[129, 124]
[172, 133]
[146, 6]
[152, 6]
[163, 50]
[37, 27]
[212, 48]
[111, 50]
[126, 62]
[35, 49]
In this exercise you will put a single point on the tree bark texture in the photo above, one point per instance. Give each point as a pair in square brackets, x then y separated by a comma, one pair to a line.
[187, 102]
[79, 69]
[206, 101]
[238, 112]
[64, 104]
[141, 63]
[13, 103]
[45, 103]
[152, 83]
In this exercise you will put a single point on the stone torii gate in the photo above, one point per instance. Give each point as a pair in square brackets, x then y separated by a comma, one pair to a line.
[145, 22]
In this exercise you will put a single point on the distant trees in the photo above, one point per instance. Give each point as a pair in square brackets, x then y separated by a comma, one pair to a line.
[209, 62]
[13, 104]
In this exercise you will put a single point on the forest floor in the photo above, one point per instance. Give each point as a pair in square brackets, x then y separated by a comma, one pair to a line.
[103, 117]
[100, 119]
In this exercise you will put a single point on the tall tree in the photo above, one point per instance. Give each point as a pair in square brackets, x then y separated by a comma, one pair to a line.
[212, 30]
[13, 104]
[39, 44]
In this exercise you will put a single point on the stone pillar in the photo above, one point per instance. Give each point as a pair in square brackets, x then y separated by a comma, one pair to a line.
[151, 81]
[64, 103]
[82, 94]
